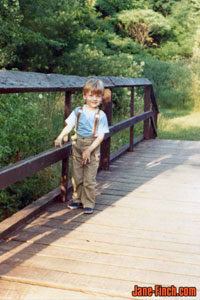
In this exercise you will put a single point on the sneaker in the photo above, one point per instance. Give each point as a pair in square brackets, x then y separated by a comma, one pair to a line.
[88, 210]
[73, 205]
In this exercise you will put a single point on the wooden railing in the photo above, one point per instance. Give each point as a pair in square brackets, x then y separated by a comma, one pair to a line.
[21, 82]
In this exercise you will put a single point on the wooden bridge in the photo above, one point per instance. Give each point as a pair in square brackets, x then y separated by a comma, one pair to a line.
[145, 228]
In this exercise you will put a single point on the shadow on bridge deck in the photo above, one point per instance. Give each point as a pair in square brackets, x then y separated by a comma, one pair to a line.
[144, 232]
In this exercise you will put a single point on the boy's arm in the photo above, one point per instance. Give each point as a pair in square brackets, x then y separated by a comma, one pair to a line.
[94, 145]
[66, 130]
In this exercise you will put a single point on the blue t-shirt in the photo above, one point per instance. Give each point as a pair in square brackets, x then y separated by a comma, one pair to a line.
[86, 122]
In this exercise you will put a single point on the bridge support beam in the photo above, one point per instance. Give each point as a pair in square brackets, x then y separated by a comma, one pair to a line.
[147, 95]
[65, 161]
[131, 115]
[105, 146]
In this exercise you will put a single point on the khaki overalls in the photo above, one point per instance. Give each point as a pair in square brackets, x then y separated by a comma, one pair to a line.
[84, 176]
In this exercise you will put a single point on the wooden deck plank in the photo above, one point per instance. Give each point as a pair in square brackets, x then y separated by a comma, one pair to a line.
[21, 291]
[120, 210]
[148, 188]
[113, 257]
[144, 231]
[90, 284]
[67, 281]
[67, 260]
[154, 208]
[24, 291]
[98, 271]
[53, 224]
[147, 175]
[137, 181]
[61, 237]
[135, 221]
[164, 160]
[105, 227]
[166, 195]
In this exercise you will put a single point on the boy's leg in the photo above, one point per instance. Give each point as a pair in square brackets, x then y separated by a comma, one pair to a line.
[77, 172]
[89, 180]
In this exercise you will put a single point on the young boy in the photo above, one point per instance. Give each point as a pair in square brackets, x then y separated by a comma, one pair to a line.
[90, 126]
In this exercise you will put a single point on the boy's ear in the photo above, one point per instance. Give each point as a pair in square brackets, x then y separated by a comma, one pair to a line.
[84, 97]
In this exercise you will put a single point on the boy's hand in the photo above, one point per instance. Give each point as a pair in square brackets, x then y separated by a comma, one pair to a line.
[86, 157]
[58, 142]
[65, 138]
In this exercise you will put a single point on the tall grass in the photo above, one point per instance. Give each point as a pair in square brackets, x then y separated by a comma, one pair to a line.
[179, 124]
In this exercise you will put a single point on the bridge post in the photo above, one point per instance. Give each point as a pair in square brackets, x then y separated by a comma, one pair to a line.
[131, 115]
[147, 93]
[65, 161]
[105, 146]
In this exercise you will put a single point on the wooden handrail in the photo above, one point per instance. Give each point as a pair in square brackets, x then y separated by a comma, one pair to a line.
[24, 82]
[29, 166]
[128, 123]
[20, 82]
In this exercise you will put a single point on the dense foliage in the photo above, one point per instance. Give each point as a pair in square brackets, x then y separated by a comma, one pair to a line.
[157, 39]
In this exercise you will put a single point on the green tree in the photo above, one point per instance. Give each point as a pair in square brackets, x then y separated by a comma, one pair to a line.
[110, 7]
[43, 31]
[184, 20]
[143, 24]
[10, 32]
[162, 6]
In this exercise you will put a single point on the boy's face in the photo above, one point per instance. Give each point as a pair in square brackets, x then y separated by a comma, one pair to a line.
[92, 100]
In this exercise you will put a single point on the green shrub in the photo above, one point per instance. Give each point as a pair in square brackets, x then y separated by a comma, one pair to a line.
[171, 50]
[29, 123]
[20, 133]
[171, 81]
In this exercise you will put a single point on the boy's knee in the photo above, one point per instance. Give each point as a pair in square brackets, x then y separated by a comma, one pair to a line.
[89, 183]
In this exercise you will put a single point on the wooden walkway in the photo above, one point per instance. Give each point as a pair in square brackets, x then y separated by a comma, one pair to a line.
[145, 232]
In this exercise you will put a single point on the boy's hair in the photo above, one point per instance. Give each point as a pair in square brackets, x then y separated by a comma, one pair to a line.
[95, 86]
